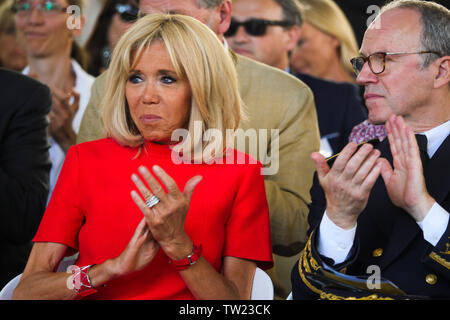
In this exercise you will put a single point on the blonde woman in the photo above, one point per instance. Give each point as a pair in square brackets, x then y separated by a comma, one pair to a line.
[327, 42]
[188, 231]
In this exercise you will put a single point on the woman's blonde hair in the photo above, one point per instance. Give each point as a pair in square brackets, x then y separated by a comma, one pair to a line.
[326, 16]
[197, 54]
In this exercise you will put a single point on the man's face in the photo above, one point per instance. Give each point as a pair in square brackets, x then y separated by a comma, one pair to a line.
[270, 48]
[404, 87]
[191, 8]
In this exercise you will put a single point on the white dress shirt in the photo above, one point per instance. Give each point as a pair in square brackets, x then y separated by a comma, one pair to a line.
[335, 242]
[83, 83]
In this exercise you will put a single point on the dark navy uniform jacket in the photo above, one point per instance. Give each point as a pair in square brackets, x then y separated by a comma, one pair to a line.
[387, 237]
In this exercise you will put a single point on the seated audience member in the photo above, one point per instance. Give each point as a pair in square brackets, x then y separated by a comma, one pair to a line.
[166, 240]
[279, 26]
[324, 50]
[12, 55]
[43, 32]
[327, 42]
[281, 117]
[24, 167]
[388, 207]
[114, 20]
[266, 31]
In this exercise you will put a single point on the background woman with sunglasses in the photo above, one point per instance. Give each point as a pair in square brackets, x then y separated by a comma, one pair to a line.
[327, 42]
[117, 16]
[43, 30]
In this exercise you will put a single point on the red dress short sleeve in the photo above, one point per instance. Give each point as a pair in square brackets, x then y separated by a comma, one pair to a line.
[63, 217]
[248, 228]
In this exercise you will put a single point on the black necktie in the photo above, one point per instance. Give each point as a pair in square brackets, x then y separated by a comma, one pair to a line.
[422, 143]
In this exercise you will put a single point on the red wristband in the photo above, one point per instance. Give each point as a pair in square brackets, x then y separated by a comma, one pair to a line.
[189, 260]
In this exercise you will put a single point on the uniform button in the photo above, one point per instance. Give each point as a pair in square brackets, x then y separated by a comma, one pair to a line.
[377, 252]
[431, 278]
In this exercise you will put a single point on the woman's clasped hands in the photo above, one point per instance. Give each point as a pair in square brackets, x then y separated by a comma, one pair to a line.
[163, 223]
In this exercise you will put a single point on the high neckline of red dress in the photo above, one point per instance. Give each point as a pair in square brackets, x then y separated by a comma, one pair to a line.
[158, 149]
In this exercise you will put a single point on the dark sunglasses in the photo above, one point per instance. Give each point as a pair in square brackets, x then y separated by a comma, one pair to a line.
[255, 27]
[127, 12]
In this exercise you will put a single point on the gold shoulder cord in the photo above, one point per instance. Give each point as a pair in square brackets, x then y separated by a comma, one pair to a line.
[440, 260]
[313, 263]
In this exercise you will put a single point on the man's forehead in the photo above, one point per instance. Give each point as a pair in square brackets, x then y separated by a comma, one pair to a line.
[168, 6]
[257, 8]
[396, 29]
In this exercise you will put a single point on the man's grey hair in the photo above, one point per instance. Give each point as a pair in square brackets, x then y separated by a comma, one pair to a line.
[435, 26]
[202, 3]
[209, 3]
[291, 8]
[291, 11]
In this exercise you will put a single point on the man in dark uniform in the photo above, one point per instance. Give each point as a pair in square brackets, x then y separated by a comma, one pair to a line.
[387, 208]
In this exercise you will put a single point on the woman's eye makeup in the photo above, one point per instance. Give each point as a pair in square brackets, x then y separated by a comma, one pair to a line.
[137, 77]
[134, 78]
[168, 79]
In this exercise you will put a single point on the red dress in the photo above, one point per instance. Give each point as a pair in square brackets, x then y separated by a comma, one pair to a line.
[91, 211]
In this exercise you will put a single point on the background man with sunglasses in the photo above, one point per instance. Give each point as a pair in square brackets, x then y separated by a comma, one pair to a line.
[395, 220]
[267, 30]
[274, 100]
[262, 30]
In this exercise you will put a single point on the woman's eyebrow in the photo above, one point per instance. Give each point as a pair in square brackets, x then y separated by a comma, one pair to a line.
[166, 71]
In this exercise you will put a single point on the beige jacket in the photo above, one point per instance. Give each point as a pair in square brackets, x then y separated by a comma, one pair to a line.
[274, 100]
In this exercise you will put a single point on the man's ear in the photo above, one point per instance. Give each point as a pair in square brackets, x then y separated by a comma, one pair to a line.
[225, 17]
[442, 77]
[293, 34]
